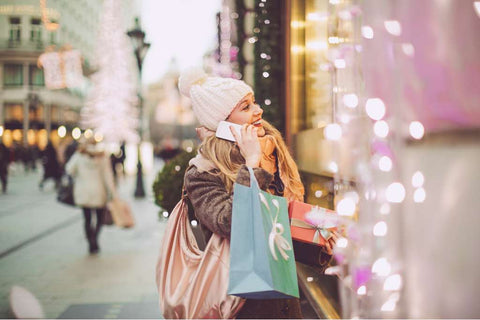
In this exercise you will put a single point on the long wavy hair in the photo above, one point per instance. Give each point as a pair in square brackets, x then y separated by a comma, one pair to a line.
[227, 158]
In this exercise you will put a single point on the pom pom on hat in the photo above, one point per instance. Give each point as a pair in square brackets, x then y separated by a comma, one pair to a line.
[213, 98]
[190, 77]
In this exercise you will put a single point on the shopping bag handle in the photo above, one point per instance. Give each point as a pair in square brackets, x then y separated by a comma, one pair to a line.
[253, 179]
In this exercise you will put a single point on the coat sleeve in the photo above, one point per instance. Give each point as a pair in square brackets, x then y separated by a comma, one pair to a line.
[71, 166]
[211, 201]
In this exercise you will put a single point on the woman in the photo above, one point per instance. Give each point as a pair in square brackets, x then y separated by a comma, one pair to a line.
[93, 184]
[220, 163]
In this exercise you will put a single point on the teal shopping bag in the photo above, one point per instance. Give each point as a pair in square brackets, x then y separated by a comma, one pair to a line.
[262, 263]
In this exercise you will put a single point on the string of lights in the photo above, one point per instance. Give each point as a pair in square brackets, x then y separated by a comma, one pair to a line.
[110, 108]
[49, 25]
[269, 60]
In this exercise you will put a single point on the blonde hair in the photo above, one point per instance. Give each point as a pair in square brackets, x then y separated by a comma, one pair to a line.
[227, 158]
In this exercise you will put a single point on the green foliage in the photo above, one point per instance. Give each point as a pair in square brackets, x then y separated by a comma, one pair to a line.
[167, 187]
[269, 55]
[270, 61]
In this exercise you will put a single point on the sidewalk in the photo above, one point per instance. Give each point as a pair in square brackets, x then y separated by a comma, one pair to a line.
[56, 267]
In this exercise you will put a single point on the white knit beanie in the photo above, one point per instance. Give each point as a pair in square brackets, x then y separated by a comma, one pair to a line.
[213, 98]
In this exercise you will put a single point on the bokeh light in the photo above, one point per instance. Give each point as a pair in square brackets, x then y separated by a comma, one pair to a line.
[332, 131]
[418, 179]
[346, 207]
[380, 229]
[381, 129]
[367, 32]
[385, 164]
[419, 195]
[76, 133]
[62, 131]
[375, 108]
[395, 192]
[416, 130]
[393, 27]
[350, 100]
[381, 267]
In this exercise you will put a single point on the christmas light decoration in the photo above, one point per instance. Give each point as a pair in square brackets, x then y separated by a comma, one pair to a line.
[369, 257]
[269, 71]
[76, 133]
[110, 109]
[400, 133]
[225, 69]
[62, 69]
[49, 25]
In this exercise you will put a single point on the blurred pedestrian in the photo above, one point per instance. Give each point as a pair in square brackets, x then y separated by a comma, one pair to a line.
[33, 156]
[30, 158]
[113, 162]
[4, 161]
[220, 163]
[93, 185]
[51, 166]
[122, 156]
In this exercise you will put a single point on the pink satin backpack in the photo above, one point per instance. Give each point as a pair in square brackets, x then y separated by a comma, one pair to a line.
[193, 283]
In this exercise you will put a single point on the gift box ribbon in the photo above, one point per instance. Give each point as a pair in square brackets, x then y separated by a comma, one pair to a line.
[318, 230]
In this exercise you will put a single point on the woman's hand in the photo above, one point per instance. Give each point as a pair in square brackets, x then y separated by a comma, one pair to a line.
[330, 243]
[248, 144]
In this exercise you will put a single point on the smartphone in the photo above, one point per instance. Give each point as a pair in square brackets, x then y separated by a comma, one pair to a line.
[223, 130]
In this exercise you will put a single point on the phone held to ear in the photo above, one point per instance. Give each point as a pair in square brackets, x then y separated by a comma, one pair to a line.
[223, 130]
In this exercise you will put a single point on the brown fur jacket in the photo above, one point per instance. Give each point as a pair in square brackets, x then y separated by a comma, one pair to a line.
[213, 208]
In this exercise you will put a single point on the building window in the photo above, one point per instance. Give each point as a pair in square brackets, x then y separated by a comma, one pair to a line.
[15, 29]
[55, 113]
[52, 34]
[13, 75]
[36, 76]
[52, 38]
[35, 30]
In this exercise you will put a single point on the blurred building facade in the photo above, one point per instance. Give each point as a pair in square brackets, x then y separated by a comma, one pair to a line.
[29, 112]
[171, 119]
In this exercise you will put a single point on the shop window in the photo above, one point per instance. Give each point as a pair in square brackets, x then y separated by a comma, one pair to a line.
[317, 78]
[54, 113]
[17, 135]
[36, 76]
[15, 29]
[42, 139]
[71, 116]
[14, 112]
[39, 112]
[319, 190]
[35, 30]
[311, 103]
[13, 75]
[315, 34]
[34, 114]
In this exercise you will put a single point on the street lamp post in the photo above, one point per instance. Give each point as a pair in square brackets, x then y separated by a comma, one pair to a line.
[140, 49]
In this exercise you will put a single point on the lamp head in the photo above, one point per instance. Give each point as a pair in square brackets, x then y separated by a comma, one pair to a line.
[137, 34]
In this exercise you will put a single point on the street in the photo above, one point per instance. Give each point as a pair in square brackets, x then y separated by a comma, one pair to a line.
[43, 249]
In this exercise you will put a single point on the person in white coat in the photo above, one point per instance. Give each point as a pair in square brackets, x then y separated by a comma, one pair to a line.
[92, 188]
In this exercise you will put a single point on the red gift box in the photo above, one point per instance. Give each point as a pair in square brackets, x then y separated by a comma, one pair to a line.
[304, 229]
